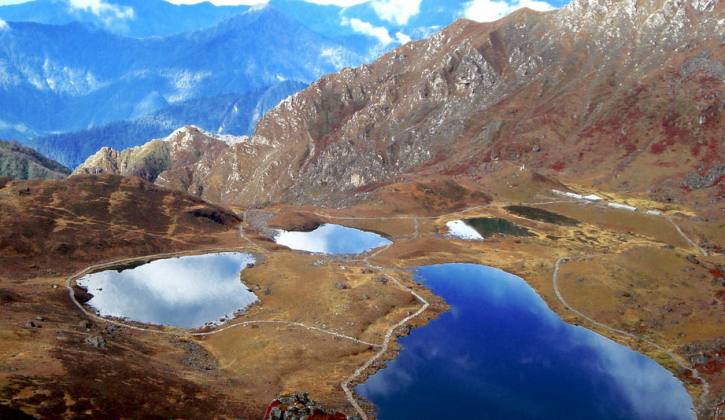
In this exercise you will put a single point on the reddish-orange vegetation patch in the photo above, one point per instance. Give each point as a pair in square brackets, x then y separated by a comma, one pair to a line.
[707, 154]
[715, 363]
[686, 377]
[659, 147]
[558, 166]
[720, 295]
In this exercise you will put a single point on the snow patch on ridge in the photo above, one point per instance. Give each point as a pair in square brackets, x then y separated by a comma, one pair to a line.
[588, 197]
[622, 206]
[186, 133]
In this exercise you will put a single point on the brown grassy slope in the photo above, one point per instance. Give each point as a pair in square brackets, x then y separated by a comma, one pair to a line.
[54, 227]
[48, 230]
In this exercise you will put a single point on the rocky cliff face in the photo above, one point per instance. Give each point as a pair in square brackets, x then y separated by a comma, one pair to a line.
[624, 95]
[181, 161]
[21, 162]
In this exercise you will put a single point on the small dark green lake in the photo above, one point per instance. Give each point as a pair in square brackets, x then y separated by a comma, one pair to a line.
[535, 213]
[488, 226]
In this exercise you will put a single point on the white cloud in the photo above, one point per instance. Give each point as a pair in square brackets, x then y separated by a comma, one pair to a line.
[108, 13]
[396, 11]
[4, 26]
[490, 10]
[334, 56]
[366, 28]
[340, 3]
[223, 2]
[402, 38]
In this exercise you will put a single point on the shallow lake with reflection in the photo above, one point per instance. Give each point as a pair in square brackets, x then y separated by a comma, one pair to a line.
[187, 292]
[331, 239]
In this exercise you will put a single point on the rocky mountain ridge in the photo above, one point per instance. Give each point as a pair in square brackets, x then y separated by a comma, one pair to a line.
[20, 162]
[619, 95]
[179, 161]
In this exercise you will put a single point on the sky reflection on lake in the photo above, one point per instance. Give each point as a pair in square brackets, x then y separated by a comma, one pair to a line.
[184, 292]
[331, 239]
[501, 353]
[461, 230]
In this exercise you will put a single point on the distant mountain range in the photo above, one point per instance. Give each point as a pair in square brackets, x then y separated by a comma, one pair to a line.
[75, 76]
[145, 18]
[135, 18]
[235, 114]
[20, 162]
[71, 77]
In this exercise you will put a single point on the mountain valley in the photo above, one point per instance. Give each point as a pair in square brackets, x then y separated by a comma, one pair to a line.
[582, 148]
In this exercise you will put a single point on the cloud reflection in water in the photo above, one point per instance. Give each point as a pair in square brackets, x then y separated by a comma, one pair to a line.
[502, 353]
[331, 239]
[184, 292]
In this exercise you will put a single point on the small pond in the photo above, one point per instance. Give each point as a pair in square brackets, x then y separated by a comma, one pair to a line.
[535, 213]
[331, 239]
[186, 292]
[477, 228]
[462, 230]
[501, 353]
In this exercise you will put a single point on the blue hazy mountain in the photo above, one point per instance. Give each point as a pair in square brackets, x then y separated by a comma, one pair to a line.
[72, 80]
[59, 78]
[235, 114]
[144, 18]
[136, 18]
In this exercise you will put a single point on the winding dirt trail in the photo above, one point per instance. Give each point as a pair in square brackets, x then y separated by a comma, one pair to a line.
[677, 359]
[685, 237]
[70, 282]
[389, 335]
[400, 217]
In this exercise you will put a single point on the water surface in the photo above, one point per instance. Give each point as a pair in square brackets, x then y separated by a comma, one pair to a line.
[186, 292]
[535, 213]
[331, 239]
[501, 353]
[462, 230]
[488, 226]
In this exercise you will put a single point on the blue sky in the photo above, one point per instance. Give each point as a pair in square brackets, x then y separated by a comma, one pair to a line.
[395, 11]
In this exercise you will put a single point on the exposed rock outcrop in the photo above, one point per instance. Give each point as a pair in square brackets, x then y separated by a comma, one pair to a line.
[180, 161]
[300, 406]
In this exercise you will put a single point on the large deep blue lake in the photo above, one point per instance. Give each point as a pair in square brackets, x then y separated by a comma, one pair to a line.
[501, 353]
